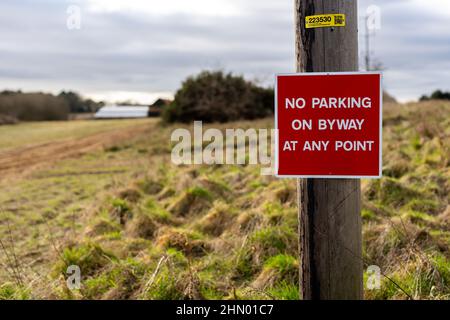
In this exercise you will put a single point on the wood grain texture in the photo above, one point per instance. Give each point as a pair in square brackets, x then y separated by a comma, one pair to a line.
[329, 210]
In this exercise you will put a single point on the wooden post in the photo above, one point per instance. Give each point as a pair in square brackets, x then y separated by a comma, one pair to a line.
[329, 209]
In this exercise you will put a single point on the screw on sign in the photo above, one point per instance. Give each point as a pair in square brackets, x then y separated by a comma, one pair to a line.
[329, 125]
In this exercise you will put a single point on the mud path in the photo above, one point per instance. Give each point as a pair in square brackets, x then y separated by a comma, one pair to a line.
[23, 160]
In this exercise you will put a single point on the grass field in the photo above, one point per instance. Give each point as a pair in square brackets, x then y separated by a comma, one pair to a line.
[105, 196]
[26, 134]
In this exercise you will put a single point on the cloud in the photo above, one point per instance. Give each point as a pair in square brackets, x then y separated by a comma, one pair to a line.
[145, 47]
[158, 8]
[130, 96]
[413, 45]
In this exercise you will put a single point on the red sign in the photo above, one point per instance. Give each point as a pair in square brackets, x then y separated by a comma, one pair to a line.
[329, 125]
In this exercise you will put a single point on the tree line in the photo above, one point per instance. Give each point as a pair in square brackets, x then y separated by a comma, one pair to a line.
[436, 95]
[19, 106]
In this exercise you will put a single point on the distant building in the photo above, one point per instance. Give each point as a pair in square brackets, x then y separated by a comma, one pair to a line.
[122, 112]
[157, 107]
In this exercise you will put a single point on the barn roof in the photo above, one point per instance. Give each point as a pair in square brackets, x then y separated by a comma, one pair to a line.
[111, 112]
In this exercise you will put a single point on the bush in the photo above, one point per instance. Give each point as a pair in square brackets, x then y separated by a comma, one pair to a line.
[219, 97]
[33, 106]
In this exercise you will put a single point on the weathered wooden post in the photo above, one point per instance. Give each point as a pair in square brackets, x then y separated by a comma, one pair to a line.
[329, 209]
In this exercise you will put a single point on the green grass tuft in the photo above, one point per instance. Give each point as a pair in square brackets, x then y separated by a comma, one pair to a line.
[10, 291]
[201, 193]
[285, 291]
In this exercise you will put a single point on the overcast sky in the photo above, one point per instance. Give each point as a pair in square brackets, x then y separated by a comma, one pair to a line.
[142, 49]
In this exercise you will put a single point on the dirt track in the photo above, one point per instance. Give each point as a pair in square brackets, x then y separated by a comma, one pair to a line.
[23, 160]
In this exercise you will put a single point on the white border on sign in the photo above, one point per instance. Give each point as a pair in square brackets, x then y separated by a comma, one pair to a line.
[380, 173]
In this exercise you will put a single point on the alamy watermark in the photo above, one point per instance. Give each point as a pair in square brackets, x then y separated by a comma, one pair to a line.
[373, 18]
[73, 21]
[73, 281]
[373, 278]
[231, 147]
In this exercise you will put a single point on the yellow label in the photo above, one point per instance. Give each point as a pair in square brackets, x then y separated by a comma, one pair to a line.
[325, 20]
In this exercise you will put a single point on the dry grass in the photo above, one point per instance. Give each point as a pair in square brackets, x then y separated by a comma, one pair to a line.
[145, 229]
